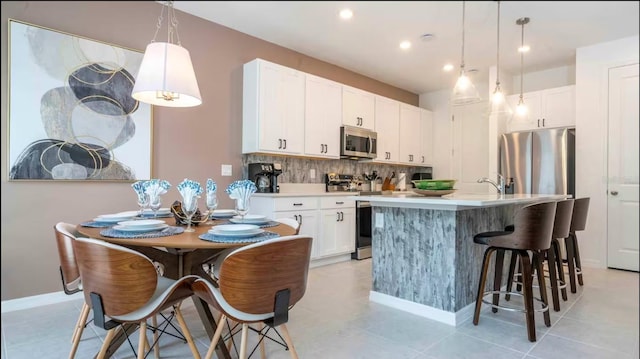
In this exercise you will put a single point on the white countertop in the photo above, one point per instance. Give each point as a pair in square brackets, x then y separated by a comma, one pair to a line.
[304, 194]
[455, 201]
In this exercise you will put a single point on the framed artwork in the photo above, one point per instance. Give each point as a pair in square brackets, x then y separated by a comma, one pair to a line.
[71, 114]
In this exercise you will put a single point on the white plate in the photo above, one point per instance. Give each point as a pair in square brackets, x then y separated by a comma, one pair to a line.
[252, 217]
[148, 212]
[237, 234]
[139, 229]
[234, 228]
[248, 221]
[142, 223]
[116, 217]
[223, 213]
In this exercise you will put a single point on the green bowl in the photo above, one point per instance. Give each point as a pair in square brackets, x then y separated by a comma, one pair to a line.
[434, 184]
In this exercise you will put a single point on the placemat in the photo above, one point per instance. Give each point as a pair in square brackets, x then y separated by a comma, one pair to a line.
[96, 224]
[169, 231]
[225, 239]
[263, 225]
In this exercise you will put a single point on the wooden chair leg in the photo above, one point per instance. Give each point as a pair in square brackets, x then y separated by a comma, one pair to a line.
[543, 287]
[497, 278]
[77, 333]
[576, 252]
[142, 341]
[559, 268]
[527, 289]
[287, 339]
[263, 354]
[243, 343]
[483, 279]
[156, 347]
[107, 341]
[570, 262]
[186, 332]
[512, 268]
[216, 337]
[553, 278]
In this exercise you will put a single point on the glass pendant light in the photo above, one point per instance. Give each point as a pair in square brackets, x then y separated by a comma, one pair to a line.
[522, 112]
[499, 104]
[464, 92]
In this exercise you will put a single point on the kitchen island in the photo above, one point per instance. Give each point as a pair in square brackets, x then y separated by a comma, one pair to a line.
[423, 257]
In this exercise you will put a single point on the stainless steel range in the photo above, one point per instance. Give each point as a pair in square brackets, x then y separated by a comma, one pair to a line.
[336, 182]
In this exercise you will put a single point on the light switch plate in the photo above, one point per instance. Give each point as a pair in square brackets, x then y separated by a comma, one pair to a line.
[379, 220]
[227, 170]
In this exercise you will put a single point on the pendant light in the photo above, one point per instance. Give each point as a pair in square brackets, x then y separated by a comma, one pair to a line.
[166, 76]
[464, 92]
[499, 104]
[522, 112]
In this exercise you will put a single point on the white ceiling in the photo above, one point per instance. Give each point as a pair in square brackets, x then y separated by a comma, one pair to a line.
[369, 43]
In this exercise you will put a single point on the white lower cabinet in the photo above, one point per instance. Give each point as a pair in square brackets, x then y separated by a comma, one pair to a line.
[329, 220]
[337, 226]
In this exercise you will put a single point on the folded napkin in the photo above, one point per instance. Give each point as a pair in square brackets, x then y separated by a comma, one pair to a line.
[211, 187]
[139, 188]
[189, 190]
[156, 187]
[242, 189]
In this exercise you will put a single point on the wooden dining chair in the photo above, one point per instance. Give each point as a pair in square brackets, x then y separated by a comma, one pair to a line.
[122, 286]
[259, 283]
[65, 234]
[290, 222]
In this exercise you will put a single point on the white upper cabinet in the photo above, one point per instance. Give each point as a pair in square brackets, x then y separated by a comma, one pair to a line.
[272, 108]
[426, 117]
[410, 135]
[387, 119]
[323, 116]
[357, 108]
[555, 107]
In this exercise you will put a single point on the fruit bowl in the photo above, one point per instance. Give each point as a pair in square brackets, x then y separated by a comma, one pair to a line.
[434, 184]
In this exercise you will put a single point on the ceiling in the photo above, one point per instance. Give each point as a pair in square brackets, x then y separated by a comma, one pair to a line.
[369, 43]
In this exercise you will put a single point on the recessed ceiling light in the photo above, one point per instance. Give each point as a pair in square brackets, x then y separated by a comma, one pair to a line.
[346, 14]
[524, 48]
[405, 45]
[447, 67]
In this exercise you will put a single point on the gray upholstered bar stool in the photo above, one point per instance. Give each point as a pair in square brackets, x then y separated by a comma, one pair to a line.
[533, 227]
[578, 223]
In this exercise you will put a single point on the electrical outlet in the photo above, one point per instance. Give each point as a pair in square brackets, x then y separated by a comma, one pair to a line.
[312, 173]
[379, 220]
[227, 170]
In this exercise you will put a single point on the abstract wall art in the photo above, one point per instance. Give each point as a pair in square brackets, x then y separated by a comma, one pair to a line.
[71, 114]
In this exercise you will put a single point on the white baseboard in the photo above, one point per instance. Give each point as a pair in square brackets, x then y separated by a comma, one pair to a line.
[422, 310]
[329, 260]
[38, 300]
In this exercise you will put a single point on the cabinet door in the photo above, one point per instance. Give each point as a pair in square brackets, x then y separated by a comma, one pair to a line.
[323, 116]
[410, 135]
[470, 153]
[281, 109]
[558, 107]
[387, 115]
[427, 138]
[358, 108]
[337, 231]
[308, 226]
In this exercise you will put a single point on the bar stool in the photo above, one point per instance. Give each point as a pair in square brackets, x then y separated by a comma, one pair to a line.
[578, 223]
[533, 228]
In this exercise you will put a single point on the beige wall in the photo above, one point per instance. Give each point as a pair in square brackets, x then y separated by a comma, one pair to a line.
[190, 142]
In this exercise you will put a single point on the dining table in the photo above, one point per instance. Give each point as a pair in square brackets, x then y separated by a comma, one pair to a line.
[180, 255]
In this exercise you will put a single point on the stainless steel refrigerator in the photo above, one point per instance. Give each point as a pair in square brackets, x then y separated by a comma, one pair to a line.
[540, 161]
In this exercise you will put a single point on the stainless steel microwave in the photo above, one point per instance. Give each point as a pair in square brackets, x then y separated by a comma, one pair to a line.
[357, 143]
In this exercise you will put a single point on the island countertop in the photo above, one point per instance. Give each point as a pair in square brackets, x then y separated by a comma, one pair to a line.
[455, 201]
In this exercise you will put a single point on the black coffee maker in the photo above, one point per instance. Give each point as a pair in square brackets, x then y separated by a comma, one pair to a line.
[265, 176]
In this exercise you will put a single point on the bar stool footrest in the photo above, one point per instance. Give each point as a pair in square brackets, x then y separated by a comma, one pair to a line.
[544, 307]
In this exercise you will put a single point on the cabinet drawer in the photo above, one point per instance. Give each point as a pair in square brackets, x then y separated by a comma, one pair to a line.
[336, 202]
[296, 203]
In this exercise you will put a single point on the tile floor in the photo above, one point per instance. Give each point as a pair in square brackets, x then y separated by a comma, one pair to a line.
[336, 320]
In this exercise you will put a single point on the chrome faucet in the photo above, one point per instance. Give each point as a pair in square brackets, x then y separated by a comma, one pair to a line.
[498, 185]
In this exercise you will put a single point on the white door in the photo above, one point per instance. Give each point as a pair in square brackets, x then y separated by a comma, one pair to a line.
[470, 152]
[622, 213]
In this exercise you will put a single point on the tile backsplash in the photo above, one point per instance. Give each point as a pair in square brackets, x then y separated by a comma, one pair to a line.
[298, 169]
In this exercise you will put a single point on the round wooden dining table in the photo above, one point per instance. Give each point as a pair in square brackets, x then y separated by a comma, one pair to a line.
[180, 254]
